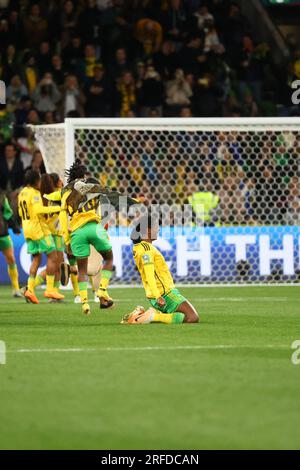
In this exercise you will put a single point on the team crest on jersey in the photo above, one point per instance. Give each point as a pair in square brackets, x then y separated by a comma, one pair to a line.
[146, 258]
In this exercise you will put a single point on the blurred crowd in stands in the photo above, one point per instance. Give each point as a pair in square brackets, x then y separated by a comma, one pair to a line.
[150, 58]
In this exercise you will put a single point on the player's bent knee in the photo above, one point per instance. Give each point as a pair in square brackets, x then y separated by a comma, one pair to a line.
[192, 318]
[190, 314]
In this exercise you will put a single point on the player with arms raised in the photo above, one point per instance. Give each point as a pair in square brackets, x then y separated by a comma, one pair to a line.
[81, 227]
[168, 305]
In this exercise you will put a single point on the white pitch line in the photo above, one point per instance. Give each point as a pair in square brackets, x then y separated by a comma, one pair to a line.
[234, 299]
[207, 299]
[246, 299]
[214, 286]
[148, 348]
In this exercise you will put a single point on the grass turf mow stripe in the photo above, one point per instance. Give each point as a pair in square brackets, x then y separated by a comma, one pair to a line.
[72, 382]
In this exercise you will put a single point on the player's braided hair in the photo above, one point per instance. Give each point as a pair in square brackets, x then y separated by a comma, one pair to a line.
[76, 171]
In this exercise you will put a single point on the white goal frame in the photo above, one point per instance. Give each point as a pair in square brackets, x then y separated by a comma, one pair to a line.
[71, 125]
[192, 124]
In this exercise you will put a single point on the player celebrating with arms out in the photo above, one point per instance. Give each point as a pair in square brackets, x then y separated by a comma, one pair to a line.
[168, 305]
[79, 203]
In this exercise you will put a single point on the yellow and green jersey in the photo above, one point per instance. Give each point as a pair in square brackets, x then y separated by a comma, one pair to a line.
[52, 221]
[156, 277]
[31, 210]
[78, 216]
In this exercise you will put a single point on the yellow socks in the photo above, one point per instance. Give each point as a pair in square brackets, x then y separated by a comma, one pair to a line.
[74, 281]
[50, 282]
[91, 279]
[31, 283]
[14, 276]
[83, 292]
[168, 318]
[105, 278]
[39, 280]
[74, 278]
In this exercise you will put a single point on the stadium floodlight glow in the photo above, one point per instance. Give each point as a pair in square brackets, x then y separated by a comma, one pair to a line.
[248, 169]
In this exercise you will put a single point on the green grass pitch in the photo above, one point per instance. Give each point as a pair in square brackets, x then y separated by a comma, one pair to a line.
[72, 382]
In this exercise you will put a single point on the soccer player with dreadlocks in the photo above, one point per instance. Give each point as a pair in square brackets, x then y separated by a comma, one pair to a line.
[80, 201]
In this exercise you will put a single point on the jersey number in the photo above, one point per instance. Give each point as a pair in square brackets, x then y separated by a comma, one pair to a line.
[24, 210]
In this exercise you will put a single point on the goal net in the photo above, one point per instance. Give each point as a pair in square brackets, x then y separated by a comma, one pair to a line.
[227, 190]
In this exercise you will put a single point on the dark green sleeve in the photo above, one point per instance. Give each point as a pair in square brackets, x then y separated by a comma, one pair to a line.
[7, 210]
[114, 198]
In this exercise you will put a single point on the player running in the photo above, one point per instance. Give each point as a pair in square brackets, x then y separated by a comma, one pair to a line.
[6, 245]
[80, 203]
[31, 211]
[168, 305]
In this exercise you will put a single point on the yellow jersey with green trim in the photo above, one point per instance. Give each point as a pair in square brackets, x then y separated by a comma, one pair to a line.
[29, 203]
[156, 277]
[52, 220]
[87, 213]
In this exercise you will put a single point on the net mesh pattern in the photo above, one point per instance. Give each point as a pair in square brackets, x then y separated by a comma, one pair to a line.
[51, 142]
[246, 180]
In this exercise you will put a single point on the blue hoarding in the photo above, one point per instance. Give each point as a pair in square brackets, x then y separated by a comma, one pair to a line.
[200, 255]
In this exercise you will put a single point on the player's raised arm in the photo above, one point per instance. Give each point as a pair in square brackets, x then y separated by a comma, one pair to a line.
[38, 209]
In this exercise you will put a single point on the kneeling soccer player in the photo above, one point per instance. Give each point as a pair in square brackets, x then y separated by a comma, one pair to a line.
[168, 305]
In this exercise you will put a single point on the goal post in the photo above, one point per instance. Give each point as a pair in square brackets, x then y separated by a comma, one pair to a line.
[243, 174]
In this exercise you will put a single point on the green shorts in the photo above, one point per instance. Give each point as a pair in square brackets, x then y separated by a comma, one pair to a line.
[89, 234]
[173, 300]
[59, 243]
[5, 243]
[43, 245]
